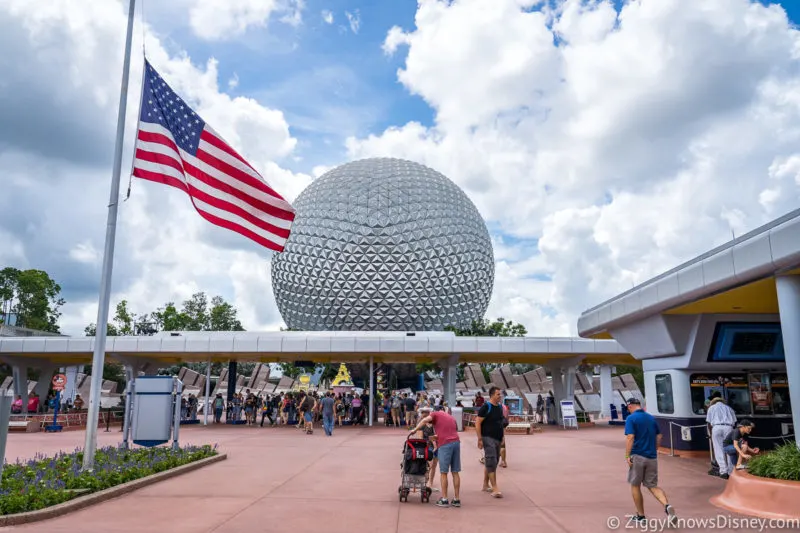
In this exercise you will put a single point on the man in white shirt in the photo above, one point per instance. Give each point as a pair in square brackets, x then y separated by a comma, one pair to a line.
[722, 420]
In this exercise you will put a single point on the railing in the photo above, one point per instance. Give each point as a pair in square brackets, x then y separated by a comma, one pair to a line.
[672, 443]
[72, 419]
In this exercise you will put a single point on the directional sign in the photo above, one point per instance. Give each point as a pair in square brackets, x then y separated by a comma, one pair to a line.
[59, 382]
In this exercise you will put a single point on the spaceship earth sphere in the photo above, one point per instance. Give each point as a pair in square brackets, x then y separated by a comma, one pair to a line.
[384, 244]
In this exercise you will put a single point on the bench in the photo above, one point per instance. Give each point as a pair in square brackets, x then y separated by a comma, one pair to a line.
[23, 426]
[527, 427]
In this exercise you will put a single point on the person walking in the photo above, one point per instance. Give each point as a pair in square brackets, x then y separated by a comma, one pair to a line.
[327, 413]
[641, 455]
[448, 451]
[721, 419]
[490, 429]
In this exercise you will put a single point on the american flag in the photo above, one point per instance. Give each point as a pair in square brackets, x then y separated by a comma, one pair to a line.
[174, 146]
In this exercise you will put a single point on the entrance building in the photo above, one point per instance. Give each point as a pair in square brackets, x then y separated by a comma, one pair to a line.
[728, 321]
[147, 354]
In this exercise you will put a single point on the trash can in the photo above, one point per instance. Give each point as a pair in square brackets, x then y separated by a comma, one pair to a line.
[458, 414]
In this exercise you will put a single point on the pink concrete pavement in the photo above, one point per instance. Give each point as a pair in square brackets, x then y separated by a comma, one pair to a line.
[279, 480]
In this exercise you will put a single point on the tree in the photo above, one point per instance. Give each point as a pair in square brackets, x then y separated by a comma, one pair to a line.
[486, 328]
[222, 316]
[32, 296]
[194, 315]
[480, 328]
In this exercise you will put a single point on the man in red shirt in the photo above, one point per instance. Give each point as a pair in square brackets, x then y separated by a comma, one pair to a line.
[449, 453]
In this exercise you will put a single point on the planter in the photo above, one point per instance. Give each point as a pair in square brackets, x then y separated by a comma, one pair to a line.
[81, 502]
[760, 496]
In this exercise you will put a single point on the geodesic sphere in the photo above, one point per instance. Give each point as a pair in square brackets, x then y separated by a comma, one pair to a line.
[384, 244]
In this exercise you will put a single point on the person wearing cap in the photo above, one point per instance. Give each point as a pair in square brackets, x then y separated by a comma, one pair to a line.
[641, 455]
[721, 419]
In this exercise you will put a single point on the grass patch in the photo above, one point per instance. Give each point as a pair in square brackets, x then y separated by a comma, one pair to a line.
[45, 481]
[781, 463]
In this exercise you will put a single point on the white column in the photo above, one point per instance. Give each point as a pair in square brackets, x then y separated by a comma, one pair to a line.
[558, 391]
[450, 375]
[606, 392]
[208, 392]
[20, 374]
[789, 303]
[371, 391]
[43, 385]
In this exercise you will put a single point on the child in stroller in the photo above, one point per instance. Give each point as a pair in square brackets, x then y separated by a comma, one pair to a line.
[417, 452]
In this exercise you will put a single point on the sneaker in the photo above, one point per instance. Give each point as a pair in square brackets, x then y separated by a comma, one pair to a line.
[456, 503]
[442, 502]
[724, 476]
[741, 467]
[639, 519]
[672, 518]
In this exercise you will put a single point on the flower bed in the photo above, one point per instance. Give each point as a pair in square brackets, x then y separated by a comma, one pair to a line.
[781, 463]
[45, 481]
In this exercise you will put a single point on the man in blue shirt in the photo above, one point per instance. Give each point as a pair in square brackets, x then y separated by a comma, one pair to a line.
[641, 455]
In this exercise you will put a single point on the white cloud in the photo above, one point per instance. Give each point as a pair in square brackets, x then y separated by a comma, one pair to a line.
[223, 19]
[354, 19]
[233, 82]
[623, 142]
[327, 16]
[394, 39]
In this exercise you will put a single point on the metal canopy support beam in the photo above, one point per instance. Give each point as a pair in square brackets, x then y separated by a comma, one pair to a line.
[450, 371]
[231, 381]
[558, 391]
[208, 392]
[20, 374]
[43, 384]
[371, 390]
[606, 391]
[788, 288]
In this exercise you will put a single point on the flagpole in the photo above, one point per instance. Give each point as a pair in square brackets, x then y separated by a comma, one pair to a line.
[98, 358]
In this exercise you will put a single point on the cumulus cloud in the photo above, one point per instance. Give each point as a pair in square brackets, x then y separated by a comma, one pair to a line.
[620, 142]
[327, 16]
[56, 174]
[223, 19]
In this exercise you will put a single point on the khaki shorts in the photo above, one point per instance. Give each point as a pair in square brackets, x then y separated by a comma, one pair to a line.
[643, 472]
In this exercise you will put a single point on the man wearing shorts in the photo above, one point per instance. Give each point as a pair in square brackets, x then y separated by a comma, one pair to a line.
[490, 431]
[641, 454]
[449, 452]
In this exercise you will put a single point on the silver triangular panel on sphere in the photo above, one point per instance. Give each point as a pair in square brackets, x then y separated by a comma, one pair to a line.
[389, 236]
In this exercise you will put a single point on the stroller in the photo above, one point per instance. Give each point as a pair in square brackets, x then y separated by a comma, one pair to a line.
[414, 469]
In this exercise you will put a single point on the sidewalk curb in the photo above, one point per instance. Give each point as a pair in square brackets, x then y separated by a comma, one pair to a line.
[82, 502]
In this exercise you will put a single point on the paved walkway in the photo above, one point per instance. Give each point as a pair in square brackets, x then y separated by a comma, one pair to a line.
[279, 480]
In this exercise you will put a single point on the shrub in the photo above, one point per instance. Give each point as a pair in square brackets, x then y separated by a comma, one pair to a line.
[45, 481]
[781, 463]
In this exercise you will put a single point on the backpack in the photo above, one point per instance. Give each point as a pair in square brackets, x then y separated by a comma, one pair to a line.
[396, 403]
[505, 419]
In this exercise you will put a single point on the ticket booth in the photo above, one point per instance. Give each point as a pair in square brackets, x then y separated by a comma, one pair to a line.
[744, 362]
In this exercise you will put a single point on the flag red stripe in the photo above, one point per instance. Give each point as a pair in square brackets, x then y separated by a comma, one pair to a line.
[234, 172]
[203, 196]
[161, 159]
[217, 142]
[210, 180]
[227, 224]
[157, 177]
[159, 138]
